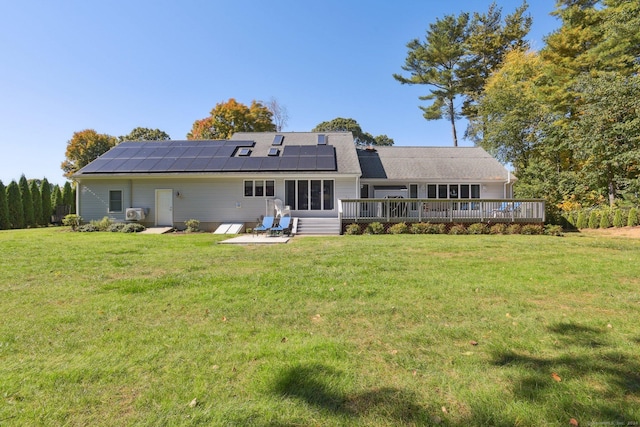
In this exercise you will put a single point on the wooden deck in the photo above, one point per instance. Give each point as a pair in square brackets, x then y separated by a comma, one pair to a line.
[435, 211]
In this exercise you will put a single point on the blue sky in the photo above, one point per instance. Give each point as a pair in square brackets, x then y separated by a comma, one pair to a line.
[116, 65]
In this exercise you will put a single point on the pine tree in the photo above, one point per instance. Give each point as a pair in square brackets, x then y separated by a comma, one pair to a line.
[36, 197]
[45, 192]
[4, 208]
[27, 202]
[14, 202]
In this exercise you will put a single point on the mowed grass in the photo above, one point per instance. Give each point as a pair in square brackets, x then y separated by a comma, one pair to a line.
[108, 329]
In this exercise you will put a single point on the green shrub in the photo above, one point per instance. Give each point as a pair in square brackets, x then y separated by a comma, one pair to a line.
[428, 228]
[581, 222]
[617, 219]
[532, 229]
[632, 220]
[193, 225]
[399, 228]
[553, 230]
[353, 230]
[103, 224]
[375, 228]
[478, 228]
[593, 219]
[499, 228]
[513, 229]
[72, 220]
[604, 219]
[132, 227]
[116, 227]
[87, 228]
[458, 229]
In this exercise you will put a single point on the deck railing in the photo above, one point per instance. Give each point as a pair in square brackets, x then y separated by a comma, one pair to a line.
[451, 210]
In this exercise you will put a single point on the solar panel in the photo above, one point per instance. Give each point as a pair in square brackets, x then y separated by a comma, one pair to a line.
[211, 156]
[277, 140]
[291, 150]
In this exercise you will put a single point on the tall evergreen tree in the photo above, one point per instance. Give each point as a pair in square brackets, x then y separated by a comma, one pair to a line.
[36, 197]
[56, 198]
[27, 202]
[4, 208]
[67, 196]
[436, 62]
[45, 192]
[14, 202]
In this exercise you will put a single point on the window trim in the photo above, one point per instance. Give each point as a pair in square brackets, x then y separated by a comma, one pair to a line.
[109, 209]
[267, 184]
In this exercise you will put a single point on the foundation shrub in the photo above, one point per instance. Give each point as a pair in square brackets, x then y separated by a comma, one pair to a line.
[458, 229]
[553, 230]
[513, 229]
[478, 228]
[132, 227]
[375, 228]
[399, 228]
[353, 230]
[498, 229]
[532, 229]
[193, 225]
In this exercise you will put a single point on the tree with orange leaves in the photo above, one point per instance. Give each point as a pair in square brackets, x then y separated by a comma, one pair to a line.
[230, 117]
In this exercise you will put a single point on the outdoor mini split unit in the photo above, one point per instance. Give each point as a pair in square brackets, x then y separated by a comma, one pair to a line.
[134, 214]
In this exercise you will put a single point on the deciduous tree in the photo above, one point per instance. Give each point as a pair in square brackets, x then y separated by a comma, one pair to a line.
[230, 117]
[279, 113]
[360, 138]
[83, 148]
[145, 134]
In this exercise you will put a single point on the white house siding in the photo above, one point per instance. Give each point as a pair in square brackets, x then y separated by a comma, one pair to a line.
[93, 199]
[211, 200]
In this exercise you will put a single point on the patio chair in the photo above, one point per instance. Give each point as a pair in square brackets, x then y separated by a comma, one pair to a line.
[267, 223]
[284, 226]
[505, 209]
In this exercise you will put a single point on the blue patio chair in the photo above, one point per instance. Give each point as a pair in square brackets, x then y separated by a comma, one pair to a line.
[267, 223]
[284, 226]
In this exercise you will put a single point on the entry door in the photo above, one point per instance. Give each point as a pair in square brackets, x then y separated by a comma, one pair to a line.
[164, 208]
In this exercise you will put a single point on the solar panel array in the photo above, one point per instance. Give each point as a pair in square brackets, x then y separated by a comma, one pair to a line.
[208, 156]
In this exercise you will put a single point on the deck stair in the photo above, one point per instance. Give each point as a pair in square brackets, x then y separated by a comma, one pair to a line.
[318, 226]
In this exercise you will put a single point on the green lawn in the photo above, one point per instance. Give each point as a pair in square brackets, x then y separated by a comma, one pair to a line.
[122, 329]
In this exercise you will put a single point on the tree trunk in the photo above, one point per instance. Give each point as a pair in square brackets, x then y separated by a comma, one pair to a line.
[452, 117]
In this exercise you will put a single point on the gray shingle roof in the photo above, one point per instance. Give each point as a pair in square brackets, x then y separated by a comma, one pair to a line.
[449, 164]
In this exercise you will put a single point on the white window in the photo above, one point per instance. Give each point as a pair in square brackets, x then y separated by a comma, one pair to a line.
[312, 194]
[115, 200]
[260, 188]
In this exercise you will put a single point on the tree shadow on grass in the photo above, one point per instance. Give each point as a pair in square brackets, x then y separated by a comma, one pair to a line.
[316, 386]
[605, 379]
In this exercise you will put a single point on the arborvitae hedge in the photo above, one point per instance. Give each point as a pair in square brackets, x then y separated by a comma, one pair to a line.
[632, 220]
[593, 219]
[604, 220]
[581, 222]
[617, 219]
[45, 193]
[36, 198]
[16, 210]
[27, 203]
[67, 197]
[4, 208]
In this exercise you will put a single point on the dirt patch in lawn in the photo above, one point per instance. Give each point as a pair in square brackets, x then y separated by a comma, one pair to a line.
[631, 232]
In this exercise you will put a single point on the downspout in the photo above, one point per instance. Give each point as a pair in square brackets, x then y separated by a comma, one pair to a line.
[506, 184]
[78, 191]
